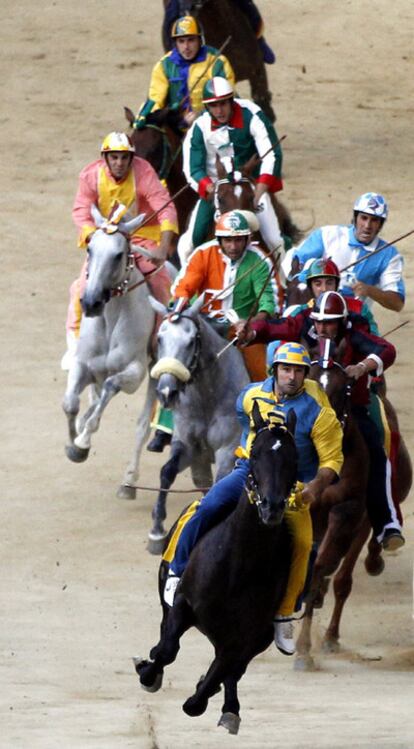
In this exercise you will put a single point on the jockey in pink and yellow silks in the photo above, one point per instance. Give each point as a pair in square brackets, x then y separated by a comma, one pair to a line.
[120, 177]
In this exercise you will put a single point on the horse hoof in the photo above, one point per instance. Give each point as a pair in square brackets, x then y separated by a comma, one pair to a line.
[304, 663]
[230, 722]
[156, 544]
[155, 686]
[76, 454]
[126, 492]
[195, 707]
[374, 565]
[330, 646]
[144, 670]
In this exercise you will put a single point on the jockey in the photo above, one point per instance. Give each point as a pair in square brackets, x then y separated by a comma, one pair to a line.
[230, 264]
[363, 354]
[377, 279]
[177, 80]
[318, 437]
[236, 271]
[119, 178]
[234, 130]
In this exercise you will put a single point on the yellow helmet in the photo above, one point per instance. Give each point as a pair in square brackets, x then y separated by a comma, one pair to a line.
[186, 26]
[292, 353]
[117, 142]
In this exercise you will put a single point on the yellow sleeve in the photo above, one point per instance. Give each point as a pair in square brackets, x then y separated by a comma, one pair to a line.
[327, 437]
[158, 88]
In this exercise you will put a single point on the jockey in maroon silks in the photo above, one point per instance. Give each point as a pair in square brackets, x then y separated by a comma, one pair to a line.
[363, 354]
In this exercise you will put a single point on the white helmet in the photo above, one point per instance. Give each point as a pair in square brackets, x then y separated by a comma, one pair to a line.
[372, 203]
[117, 142]
[217, 89]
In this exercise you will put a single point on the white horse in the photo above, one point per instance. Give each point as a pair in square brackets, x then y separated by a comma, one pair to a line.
[201, 387]
[114, 343]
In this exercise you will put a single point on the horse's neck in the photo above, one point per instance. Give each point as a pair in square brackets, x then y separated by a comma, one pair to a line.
[131, 302]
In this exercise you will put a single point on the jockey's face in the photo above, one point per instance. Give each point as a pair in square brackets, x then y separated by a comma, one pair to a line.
[289, 378]
[118, 163]
[367, 227]
[319, 285]
[327, 328]
[188, 46]
[221, 110]
[234, 247]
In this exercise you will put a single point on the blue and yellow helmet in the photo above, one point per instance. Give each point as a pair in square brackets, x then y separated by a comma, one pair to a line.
[292, 353]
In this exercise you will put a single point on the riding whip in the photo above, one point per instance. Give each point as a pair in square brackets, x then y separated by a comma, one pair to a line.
[375, 252]
[401, 325]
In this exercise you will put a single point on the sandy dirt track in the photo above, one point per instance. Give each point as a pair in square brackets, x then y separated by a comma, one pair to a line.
[78, 587]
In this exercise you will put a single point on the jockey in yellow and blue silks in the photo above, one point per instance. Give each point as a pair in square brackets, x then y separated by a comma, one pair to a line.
[177, 80]
[318, 437]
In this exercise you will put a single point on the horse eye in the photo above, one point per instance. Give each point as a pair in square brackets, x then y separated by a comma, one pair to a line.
[119, 256]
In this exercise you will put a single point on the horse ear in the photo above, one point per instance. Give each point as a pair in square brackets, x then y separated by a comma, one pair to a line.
[129, 226]
[291, 421]
[129, 115]
[258, 419]
[248, 167]
[221, 172]
[196, 307]
[97, 216]
[157, 306]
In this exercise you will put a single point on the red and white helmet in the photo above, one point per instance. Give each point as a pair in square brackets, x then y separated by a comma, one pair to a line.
[217, 89]
[329, 306]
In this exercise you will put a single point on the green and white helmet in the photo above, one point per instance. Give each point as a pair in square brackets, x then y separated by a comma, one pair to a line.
[217, 89]
[232, 224]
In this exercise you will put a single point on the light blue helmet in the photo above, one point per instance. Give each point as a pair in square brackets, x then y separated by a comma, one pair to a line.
[372, 203]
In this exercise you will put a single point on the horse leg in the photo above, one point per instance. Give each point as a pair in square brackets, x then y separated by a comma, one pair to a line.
[260, 93]
[79, 377]
[230, 713]
[374, 563]
[343, 585]
[127, 489]
[223, 668]
[179, 620]
[178, 461]
[91, 425]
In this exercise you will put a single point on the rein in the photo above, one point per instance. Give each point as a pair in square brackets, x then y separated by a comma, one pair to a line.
[123, 287]
[168, 157]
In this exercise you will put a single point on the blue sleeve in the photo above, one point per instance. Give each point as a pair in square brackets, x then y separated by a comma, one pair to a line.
[311, 247]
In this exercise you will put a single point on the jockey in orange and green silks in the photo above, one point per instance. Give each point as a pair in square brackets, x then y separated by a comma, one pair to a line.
[177, 80]
[119, 177]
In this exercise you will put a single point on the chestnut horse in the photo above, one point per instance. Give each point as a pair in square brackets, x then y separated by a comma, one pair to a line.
[219, 19]
[340, 523]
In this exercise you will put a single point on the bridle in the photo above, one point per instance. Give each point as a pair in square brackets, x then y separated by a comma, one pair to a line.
[346, 410]
[229, 181]
[124, 286]
[254, 495]
[168, 157]
[193, 367]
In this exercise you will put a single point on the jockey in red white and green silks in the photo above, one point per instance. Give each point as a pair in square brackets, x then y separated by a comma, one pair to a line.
[233, 130]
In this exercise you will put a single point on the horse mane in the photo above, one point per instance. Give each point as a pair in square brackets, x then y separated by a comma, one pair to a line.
[166, 117]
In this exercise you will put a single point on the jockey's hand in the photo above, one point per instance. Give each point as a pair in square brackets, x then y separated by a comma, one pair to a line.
[209, 190]
[355, 371]
[189, 118]
[308, 495]
[167, 246]
[243, 332]
[259, 191]
[361, 289]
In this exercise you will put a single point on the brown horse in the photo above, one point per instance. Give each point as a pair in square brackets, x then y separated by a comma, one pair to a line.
[340, 523]
[159, 142]
[219, 19]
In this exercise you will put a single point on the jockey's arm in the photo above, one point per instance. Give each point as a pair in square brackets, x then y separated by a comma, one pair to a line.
[86, 196]
[388, 299]
[326, 436]
[167, 246]
[259, 191]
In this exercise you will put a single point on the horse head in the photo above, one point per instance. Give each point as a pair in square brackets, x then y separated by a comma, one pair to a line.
[158, 139]
[330, 374]
[110, 262]
[179, 345]
[234, 188]
[273, 465]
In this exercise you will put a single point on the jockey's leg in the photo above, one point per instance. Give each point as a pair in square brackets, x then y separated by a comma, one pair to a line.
[251, 11]
[74, 318]
[382, 512]
[299, 523]
[217, 504]
[198, 228]
[269, 226]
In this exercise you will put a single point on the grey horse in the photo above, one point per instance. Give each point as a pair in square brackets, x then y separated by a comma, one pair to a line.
[202, 389]
[113, 349]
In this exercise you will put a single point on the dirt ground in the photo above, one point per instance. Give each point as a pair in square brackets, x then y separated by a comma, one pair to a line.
[78, 587]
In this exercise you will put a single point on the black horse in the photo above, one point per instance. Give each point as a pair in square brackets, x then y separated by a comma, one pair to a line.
[236, 578]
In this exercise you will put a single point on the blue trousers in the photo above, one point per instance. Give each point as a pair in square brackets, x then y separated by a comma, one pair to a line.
[217, 504]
